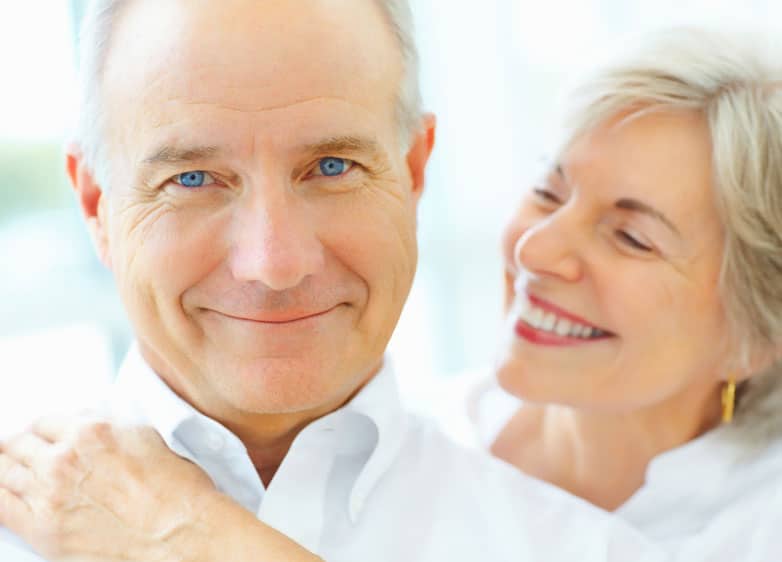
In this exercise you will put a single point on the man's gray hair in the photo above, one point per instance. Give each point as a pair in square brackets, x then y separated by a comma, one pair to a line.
[95, 41]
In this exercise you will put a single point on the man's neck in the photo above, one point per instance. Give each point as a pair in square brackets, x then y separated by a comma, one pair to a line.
[266, 436]
[603, 457]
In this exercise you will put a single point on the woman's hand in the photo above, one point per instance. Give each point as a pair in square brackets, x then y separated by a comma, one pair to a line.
[87, 491]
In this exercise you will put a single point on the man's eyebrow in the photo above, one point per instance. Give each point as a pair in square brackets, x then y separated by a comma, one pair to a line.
[176, 155]
[336, 145]
[639, 207]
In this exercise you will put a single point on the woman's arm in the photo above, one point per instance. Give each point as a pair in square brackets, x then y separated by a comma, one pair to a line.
[88, 491]
[244, 538]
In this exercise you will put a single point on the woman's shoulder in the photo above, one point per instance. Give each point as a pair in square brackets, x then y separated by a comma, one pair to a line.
[711, 497]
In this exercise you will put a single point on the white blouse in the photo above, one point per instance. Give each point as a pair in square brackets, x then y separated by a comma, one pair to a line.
[710, 500]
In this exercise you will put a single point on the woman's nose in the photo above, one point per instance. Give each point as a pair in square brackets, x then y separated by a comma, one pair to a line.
[550, 248]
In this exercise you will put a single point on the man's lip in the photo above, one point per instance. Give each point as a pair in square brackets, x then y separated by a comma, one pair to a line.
[562, 313]
[283, 317]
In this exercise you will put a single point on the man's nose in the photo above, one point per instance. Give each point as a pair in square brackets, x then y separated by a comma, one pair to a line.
[551, 248]
[275, 241]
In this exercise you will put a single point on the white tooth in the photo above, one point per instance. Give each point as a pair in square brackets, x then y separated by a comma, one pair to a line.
[524, 307]
[563, 327]
[576, 330]
[528, 315]
[536, 317]
[587, 332]
[548, 322]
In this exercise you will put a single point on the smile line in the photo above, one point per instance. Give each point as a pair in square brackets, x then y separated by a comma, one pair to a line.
[277, 322]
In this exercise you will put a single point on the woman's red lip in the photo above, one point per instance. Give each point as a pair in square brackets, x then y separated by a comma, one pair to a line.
[547, 306]
[533, 335]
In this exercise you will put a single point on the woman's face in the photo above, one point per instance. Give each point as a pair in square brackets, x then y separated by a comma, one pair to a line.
[613, 260]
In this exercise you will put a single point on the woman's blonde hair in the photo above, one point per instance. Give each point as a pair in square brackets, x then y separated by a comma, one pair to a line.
[735, 81]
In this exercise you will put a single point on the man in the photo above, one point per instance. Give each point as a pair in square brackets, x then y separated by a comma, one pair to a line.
[250, 172]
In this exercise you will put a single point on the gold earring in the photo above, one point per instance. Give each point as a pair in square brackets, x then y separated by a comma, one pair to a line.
[728, 399]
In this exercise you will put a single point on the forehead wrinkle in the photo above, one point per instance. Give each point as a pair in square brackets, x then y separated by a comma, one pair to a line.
[272, 107]
[162, 118]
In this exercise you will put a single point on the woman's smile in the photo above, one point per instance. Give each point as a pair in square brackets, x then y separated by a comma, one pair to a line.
[541, 322]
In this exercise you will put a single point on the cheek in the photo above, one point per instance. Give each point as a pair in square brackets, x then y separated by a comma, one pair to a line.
[672, 328]
[377, 243]
[164, 251]
[520, 222]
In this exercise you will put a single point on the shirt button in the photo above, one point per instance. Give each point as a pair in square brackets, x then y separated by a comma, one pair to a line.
[214, 442]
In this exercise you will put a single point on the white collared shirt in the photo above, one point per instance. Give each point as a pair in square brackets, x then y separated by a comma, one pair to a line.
[710, 500]
[369, 482]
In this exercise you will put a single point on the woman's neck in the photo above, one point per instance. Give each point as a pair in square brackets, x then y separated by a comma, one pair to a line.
[603, 457]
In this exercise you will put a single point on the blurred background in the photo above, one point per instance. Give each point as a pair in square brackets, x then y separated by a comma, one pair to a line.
[492, 72]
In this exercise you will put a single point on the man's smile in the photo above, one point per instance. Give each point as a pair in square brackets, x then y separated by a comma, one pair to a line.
[281, 317]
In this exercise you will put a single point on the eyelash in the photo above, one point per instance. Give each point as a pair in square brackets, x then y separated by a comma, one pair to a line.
[547, 195]
[351, 164]
[621, 235]
[177, 179]
[632, 242]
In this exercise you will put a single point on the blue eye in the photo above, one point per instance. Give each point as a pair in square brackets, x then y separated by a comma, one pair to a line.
[193, 179]
[332, 167]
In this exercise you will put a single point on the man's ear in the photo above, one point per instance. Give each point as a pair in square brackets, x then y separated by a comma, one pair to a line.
[420, 150]
[91, 199]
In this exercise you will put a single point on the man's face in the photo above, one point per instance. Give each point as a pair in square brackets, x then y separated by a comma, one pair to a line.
[261, 217]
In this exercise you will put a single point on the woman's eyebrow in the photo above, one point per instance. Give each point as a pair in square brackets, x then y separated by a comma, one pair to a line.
[640, 207]
[634, 205]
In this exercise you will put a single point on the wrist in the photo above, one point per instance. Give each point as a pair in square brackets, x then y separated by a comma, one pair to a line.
[204, 537]
[224, 530]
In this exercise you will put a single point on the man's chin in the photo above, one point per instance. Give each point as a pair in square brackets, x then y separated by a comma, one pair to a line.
[280, 386]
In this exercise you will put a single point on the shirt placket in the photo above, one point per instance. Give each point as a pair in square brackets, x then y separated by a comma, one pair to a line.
[294, 502]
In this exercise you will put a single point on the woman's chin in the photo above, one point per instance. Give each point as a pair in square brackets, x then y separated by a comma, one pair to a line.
[516, 377]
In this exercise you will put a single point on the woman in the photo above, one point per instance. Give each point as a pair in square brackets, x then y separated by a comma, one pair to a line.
[645, 306]
[644, 290]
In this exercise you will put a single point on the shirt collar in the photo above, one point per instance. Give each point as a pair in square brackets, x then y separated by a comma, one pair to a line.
[140, 395]
[379, 403]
